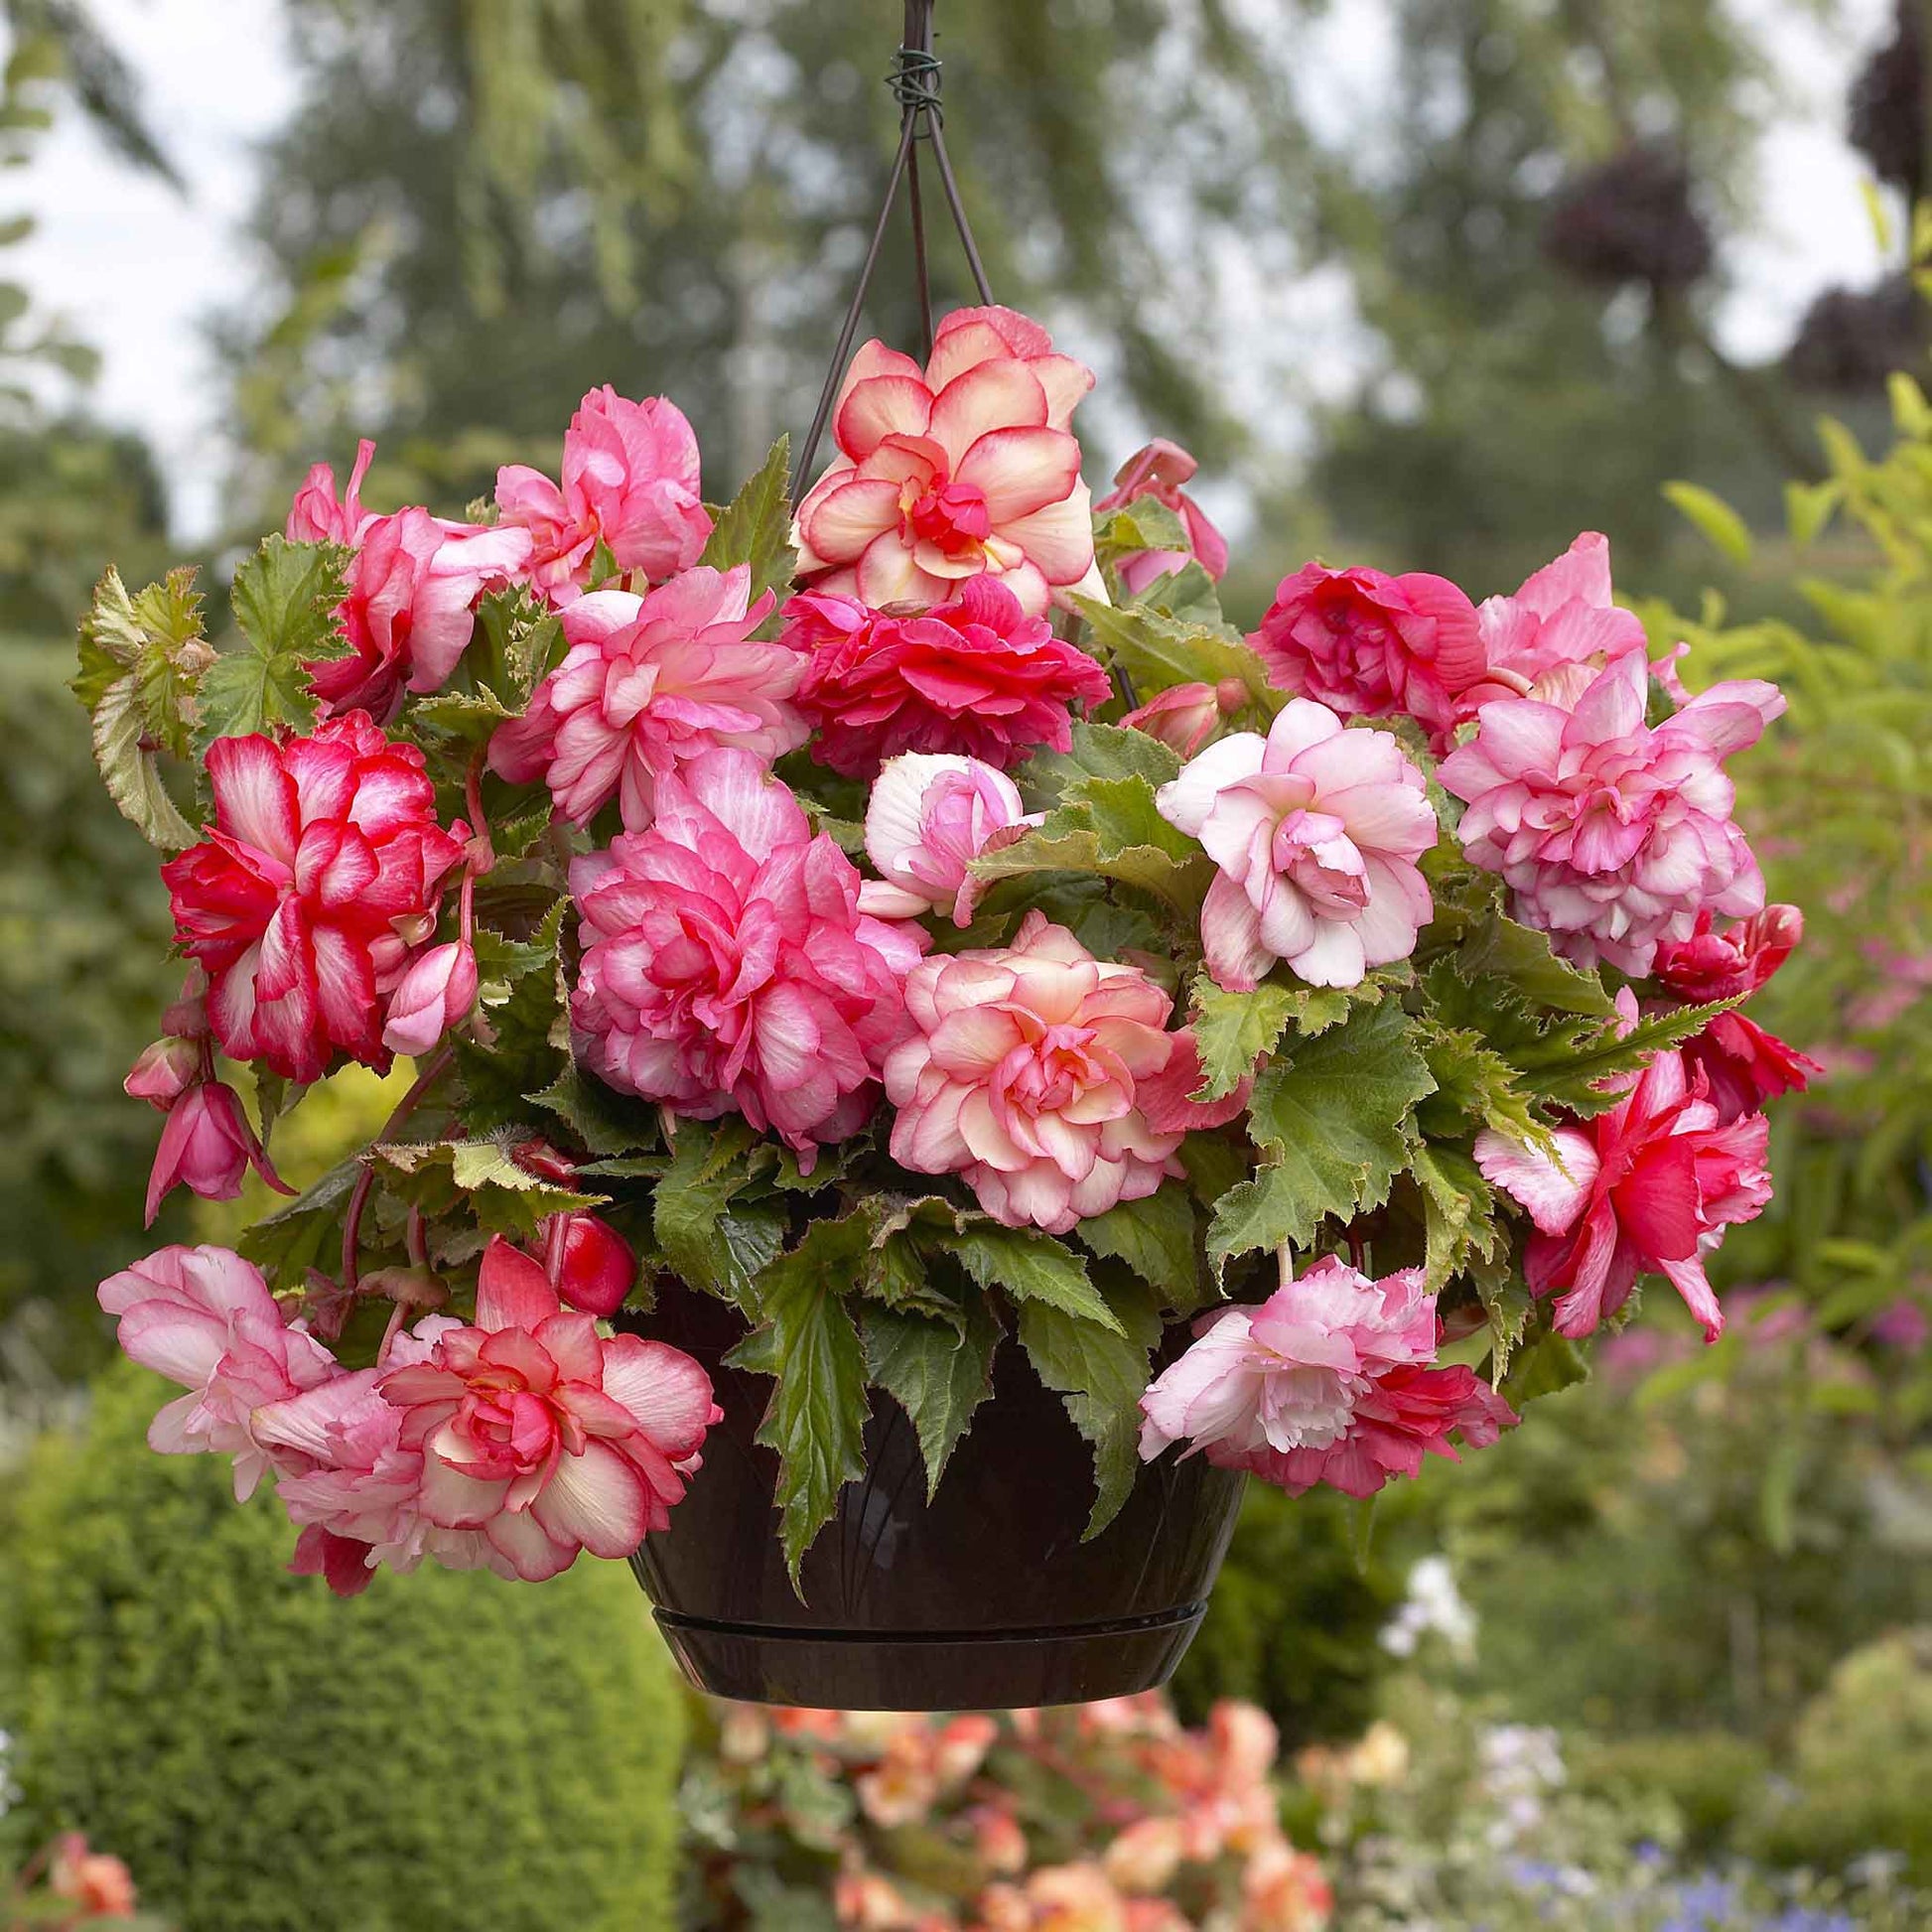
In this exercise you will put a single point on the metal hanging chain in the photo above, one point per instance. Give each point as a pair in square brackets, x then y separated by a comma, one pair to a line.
[914, 81]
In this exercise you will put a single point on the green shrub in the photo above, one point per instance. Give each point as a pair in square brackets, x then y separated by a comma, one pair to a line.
[1861, 1764]
[447, 1750]
[1711, 1777]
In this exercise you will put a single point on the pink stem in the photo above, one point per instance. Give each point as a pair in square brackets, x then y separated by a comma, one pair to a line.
[365, 1180]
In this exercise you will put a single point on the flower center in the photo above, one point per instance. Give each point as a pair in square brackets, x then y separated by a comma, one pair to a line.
[952, 516]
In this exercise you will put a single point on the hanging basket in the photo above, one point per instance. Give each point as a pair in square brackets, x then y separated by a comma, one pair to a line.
[983, 1597]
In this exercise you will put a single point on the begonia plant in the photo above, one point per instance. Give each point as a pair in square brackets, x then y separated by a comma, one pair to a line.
[923, 920]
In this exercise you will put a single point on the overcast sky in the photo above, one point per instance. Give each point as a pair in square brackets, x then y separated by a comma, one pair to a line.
[136, 268]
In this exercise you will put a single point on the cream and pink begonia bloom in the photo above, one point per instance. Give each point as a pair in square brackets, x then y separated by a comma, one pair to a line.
[648, 683]
[1370, 645]
[1329, 1380]
[629, 482]
[1316, 830]
[727, 965]
[962, 468]
[207, 1146]
[1159, 470]
[203, 1318]
[1613, 834]
[1555, 634]
[928, 819]
[325, 853]
[1647, 1187]
[1045, 1078]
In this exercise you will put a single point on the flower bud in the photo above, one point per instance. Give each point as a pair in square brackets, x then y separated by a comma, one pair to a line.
[207, 1146]
[435, 994]
[1159, 470]
[930, 817]
[163, 1072]
[1186, 715]
[599, 1267]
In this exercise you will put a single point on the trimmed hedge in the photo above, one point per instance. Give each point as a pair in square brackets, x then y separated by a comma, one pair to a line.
[444, 1751]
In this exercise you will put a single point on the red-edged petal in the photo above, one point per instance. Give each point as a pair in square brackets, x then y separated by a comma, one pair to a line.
[1020, 471]
[254, 800]
[884, 405]
[665, 1390]
[512, 1290]
[999, 394]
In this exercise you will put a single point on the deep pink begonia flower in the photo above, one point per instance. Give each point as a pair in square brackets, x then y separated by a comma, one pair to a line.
[1023, 1075]
[435, 994]
[977, 676]
[1159, 470]
[207, 1146]
[964, 467]
[326, 850]
[650, 682]
[629, 482]
[1329, 1380]
[1370, 645]
[203, 1318]
[319, 515]
[1550, 638]
[1316, 831]
[1184, 717]
[1646, 1187]
[928, 819]
[727, 966]
[1613, 835]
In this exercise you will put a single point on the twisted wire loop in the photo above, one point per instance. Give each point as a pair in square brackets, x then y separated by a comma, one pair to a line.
[914, 81]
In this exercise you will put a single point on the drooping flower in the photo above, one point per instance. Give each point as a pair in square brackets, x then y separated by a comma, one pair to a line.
[1744, 1064]
[962, 468]
[203, 1318]
[1186, 715]
[435, 994]
[1330, 1381]
[629, 482]
[1646, 1187]
[727, 966]
[929, 819]
[1559, 630]
[541, 1435]
[1023, 1076]
[977, 676]
[326, 852]
[1370, 645]
[650, 683]
[1611, 834]
[207, 1146]
[1316, 830]
[1159, 470]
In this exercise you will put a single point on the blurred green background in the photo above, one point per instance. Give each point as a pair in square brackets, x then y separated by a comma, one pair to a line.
[1438, 304]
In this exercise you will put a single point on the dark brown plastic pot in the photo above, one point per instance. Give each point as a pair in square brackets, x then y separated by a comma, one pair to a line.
[982, 1599]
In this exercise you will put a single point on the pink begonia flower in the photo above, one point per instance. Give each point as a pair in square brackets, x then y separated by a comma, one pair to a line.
[1023, 1076]
[410, 610]
[101, 1886]
[1744, 1065]
[1611, 834]
[544, 1436]
[1646, 1187]
[648, 683]
[163, 1072]
[964, 467]
[203, 1318]
[929, 819]
[319, 515]
[1316, 830]
[1370, 645]
[207, 1146]
[1555, 634]
[1157, 471]
[1184, 717]
[326, 850]
[1901, 1325]
[435, 994]
[977, 676]
[727, 966]
[629, 482]
[1329, 1380]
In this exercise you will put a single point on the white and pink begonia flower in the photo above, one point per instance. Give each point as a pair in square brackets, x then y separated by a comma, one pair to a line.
[203, 1318]
[1329, 1380]
[962, 468]
[1159, 470]
[1316, 831]
[1045, 1078]
[648, 683]
[325, 853]
[207, 1146]
[629, 483]
[1555, 634]
[728, 967]
[1648, 1186]
[929, 819]
[1613, 834]
[435, 994]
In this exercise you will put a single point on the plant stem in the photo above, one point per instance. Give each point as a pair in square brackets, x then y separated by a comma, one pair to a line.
[365, 1180]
